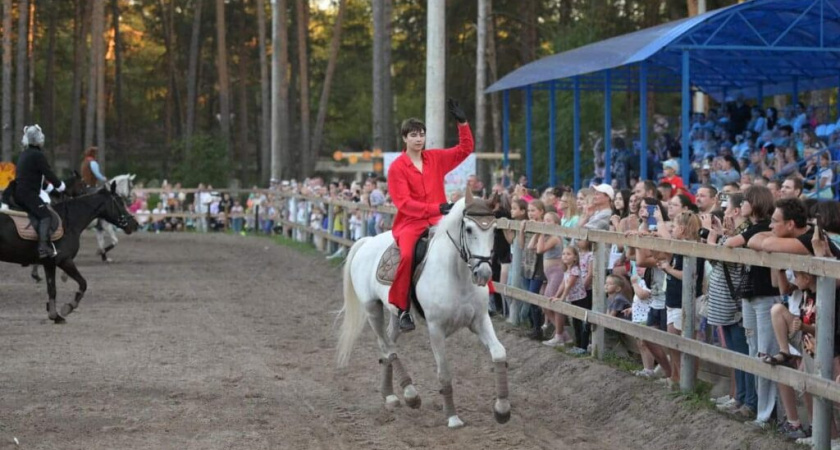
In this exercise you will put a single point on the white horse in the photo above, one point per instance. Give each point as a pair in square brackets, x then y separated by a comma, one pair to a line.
[106, 236]
[452, 291]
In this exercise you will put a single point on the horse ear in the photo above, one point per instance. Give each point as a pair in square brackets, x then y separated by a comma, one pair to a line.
[76, 174]
[113, 187]
[468, 195]
[132, 176]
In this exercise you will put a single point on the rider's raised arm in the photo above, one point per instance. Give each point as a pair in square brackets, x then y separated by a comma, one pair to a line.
[94, 168]
[401, 196]
[451, 157]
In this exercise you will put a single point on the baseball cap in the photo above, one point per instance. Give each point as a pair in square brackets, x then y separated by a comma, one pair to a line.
[605, 189]
[672, 164]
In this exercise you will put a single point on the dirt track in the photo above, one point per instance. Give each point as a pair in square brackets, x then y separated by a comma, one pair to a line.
[217, 342]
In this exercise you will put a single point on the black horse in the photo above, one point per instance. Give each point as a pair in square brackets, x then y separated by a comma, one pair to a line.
[76, 214]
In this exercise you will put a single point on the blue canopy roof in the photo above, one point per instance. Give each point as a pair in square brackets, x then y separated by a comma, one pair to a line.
[770, 45]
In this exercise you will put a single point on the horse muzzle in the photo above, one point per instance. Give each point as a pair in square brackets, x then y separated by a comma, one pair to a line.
[482, 274]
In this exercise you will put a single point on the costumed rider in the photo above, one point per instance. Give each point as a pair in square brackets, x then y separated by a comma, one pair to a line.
[32, 170]
[415, 182]
[92, 177]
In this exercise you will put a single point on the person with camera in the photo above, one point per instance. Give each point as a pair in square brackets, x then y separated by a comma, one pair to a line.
[415, 182]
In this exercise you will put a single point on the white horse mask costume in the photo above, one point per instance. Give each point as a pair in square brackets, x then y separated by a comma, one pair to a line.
[452, 291]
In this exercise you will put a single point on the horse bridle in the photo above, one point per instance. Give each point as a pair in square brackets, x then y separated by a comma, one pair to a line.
[463, 250]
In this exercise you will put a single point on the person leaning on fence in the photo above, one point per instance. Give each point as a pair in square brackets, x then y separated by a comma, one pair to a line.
[415, 182]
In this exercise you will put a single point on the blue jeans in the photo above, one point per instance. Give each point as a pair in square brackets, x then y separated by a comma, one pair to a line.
[761, 340]
[536, 314]
[736, 340]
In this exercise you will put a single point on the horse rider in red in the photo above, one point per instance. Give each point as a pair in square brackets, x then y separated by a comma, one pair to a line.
[415, 182]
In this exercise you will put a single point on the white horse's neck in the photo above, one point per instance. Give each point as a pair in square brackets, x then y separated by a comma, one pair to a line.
[442, 248]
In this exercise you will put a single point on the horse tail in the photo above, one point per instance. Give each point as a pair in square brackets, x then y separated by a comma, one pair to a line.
[354, 314]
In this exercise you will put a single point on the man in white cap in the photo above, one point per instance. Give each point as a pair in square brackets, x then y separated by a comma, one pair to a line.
[602, 208]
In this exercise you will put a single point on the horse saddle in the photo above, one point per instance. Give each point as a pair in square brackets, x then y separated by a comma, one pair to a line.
[26, 224]
[387, 269]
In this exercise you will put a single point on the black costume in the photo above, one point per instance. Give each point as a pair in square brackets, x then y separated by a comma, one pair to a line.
[32, 169]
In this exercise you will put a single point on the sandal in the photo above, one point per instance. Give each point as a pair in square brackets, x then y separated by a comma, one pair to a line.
[781, 358]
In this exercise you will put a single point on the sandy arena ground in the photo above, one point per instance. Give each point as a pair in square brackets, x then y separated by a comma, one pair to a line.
[224, 342]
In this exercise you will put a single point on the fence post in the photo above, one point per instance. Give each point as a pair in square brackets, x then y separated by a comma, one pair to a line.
[257, 219]
[688, 312]
[599, 299]
[329, 245]
[345, 216]
[365, 216]
[824, 357]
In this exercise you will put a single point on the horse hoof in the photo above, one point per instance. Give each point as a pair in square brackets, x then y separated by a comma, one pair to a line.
[59, 320]
[413, 402]
[392, 402]
[501, 417]
[454, 423]
[66, 309]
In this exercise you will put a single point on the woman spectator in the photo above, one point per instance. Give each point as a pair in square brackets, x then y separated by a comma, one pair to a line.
[727, 170]
[686, 226]
[757, 121]
[518, 211]
[771, 119]
[500, 263]
[758, 297]
[825, 178]
[532, 266]
[551, 249]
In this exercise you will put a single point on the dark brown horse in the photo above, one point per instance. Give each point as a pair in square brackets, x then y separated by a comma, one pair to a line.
[76, 214]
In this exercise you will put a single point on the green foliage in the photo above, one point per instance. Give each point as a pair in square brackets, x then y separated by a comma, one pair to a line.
[207, 162]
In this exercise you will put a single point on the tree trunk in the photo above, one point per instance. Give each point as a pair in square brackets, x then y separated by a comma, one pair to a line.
[303, 61]
[224, 95]
[99, 17]
[95, 42]
[484, 168]
[243, 132]
[495, 104]
[528, 40]
[80, 25]
[328, 76]
[118, 106]
[265, 92]
[378, 73]
[20, 69]
[192, 77]
[30, 64]
[8, 128]
[388, 135]
[168, 14]
[280, 91]
[48, 111]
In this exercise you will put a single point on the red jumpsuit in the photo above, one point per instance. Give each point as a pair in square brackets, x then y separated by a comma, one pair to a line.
[417, 196]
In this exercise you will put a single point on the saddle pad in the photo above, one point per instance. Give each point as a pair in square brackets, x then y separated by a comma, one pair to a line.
[28, 233]
[387, 269]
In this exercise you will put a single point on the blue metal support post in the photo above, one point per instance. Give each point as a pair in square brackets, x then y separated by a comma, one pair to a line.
[643, 121]
[552, 130]
[505, 136]
[607, 126]
[686, 123]
[529, 106]
[576, 133]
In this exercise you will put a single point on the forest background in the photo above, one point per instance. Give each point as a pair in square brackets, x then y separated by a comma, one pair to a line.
[147, 81]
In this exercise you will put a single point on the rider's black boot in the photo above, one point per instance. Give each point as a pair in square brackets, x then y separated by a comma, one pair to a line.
[406, 322]
[45, 249]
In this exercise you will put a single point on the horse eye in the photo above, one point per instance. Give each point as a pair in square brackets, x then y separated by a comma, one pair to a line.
[469, 230]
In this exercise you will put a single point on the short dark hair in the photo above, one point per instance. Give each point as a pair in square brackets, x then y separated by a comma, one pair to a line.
[829, 215]
[411, 125]
[733, 184]
[666, 185]
[793, 209]
[797, 183]
[761, 201]
[711, 189]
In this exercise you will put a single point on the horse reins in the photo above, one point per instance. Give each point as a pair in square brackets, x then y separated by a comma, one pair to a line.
[464, 250]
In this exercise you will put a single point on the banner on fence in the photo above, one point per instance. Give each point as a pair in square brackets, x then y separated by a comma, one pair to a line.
[454, 181]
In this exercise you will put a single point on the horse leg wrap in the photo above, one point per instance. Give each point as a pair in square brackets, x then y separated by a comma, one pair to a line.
[501, 380]
[387, 387]
[448, 401]
[399, 371]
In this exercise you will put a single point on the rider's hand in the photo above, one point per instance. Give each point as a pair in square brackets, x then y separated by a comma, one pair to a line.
[61, 187]
[445, 207]
[456, 111]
